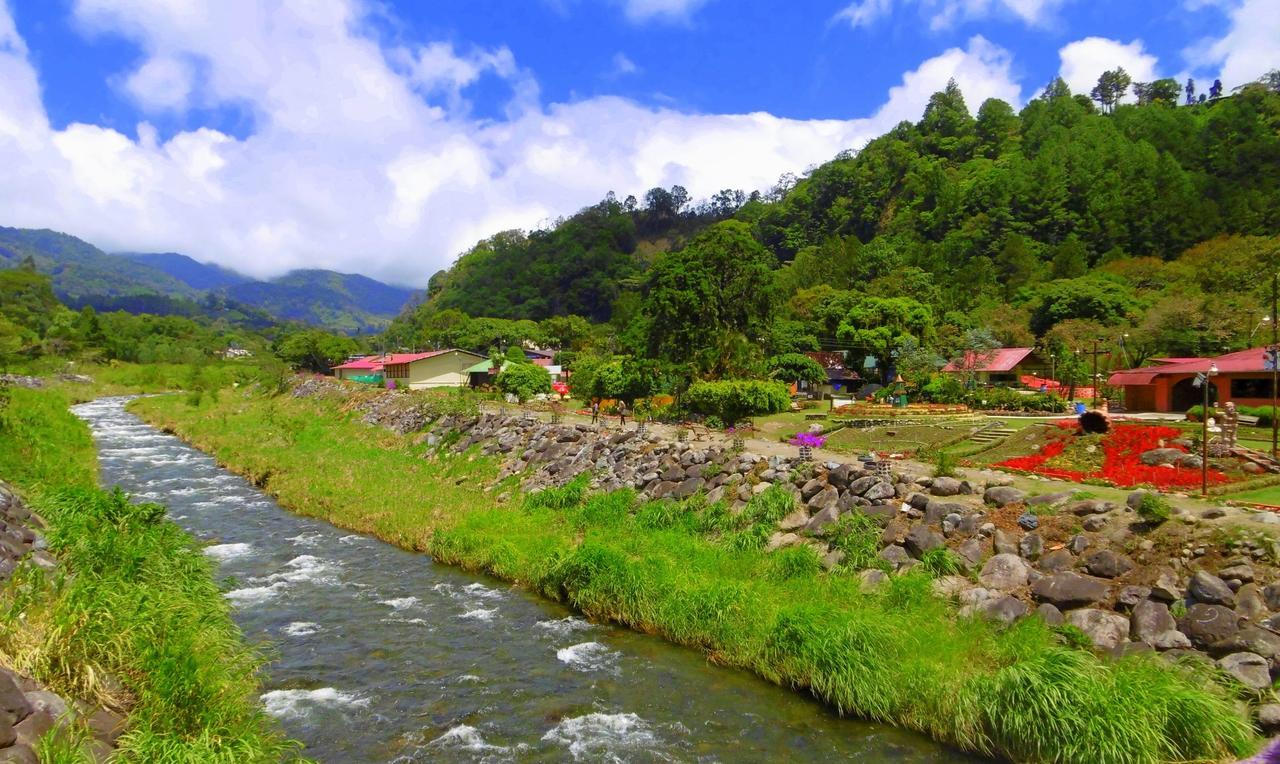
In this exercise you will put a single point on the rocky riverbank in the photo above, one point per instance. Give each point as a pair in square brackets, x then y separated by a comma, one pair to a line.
[1195, 588]
[30, 712]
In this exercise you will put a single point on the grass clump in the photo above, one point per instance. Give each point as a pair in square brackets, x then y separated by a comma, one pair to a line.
[1154, 509]
[945, 463]
[697, 574]
[858, 536]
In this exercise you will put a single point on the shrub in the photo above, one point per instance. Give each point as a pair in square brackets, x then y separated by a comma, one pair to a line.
[1154, 509]
[940, 562]
[524, 380]
[735, 399]
[796, 367]
[944, 463]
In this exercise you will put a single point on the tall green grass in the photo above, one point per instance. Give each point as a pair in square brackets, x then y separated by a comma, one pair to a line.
[696, 574]
[131, 619]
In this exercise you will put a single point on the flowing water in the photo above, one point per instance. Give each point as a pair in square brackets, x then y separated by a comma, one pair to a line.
[381, 655]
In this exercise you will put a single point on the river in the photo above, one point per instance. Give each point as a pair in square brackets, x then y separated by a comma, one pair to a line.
[381, 655]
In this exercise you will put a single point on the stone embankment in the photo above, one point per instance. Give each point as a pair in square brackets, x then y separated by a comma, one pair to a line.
[1187, 590]
[28, 711]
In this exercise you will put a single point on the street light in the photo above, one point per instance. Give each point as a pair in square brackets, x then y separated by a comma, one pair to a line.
[1204, 431]
[1265, 320]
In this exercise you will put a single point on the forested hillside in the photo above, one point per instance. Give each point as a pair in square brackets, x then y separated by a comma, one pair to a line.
[1066, 221]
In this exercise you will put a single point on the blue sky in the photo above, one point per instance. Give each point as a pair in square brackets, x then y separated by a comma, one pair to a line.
[386, 137]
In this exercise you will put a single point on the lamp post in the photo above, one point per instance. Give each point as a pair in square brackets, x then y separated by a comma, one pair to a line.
[1204, 430]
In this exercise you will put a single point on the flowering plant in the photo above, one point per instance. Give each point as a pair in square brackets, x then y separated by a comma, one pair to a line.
[810, 439]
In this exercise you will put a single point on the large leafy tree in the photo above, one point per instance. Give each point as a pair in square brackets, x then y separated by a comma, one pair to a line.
[314, 349]
[710, 301]
[879, 325]
[1111, 86]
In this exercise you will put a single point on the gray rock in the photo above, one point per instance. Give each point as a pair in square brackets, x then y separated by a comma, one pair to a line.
[872, 578]
[1094, 523]
[811, 488]
[1250, 603]
[1158, 456]
[1049, 499]
[1134, 499]
[832, 559]
[1242, 572]
[878, 491]
[1211, 590]
[863, 483]
[780, 540]
[1108, 564]
[948, 587]
[1004, 609]
[1028, 521]
[1004, 572]
[971, 552]
[1078, 543]
[839, 476]
[944, 486]
[688, 488]
[1271, 593]
[820, 521]
[921, 539]
[1090, 507]
[1166, 587]
[31, 729]
[1005, 543]
[13, 703]
[935, 510]
[1051, 615]
[798, 518]
[1057, 561]
[1269, 718]
[1031, 546]
[1206, 624]
[19, 754]
[895, 555]
[1002, 496]
[1130, 596]
[827, 498]
[1070, 589]
[1250, 639]
[1149, 620]
[1249, 669]
[1104, 628]
[43, 700]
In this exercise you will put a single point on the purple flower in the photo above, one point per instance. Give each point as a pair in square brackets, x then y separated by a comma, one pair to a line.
[812, 440]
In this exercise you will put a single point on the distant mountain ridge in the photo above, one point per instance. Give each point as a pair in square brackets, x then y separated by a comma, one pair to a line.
[170, 282]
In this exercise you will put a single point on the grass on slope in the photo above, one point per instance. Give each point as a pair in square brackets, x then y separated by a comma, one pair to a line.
[132, 618]
[696, 574]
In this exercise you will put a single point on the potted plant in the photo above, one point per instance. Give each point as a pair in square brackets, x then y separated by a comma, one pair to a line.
[807, 441]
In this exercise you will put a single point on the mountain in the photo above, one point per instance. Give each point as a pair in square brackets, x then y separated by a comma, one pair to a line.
[340, 301]
[173, 284]
[193, 273]
[81, 271]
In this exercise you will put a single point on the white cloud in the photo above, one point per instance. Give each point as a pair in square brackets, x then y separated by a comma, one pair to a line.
[945, 14]
[623, 65]
[1084, 60]
[663, 10]
[1249, 49]
[349, 163]
[161, 83]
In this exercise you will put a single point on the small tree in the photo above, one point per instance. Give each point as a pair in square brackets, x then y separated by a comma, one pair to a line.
[524, 381]
[734, 399]
[796, 367]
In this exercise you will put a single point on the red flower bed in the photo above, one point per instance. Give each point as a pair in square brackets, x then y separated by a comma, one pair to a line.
[1122, 465]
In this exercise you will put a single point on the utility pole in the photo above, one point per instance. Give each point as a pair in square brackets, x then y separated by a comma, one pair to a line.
[1095, 353]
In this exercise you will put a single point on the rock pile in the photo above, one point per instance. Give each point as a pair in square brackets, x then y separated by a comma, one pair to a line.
[28, 711]
[19, 380]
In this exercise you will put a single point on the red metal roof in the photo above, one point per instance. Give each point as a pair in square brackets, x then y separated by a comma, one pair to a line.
[1000, 359]
[372, 363]
[1239, 362]
[1184, 359]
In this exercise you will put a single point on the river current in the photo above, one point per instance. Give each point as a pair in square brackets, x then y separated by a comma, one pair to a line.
[382, 655]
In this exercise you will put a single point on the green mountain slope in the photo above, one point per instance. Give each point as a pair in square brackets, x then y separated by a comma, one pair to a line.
[339, 301]
[193, 273]
[81, 271]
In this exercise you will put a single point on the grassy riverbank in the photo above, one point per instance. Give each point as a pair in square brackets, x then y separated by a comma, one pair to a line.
[137, 623]
[696, 576]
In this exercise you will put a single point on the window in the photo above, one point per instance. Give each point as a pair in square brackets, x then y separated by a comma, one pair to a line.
[1251, 387]
[397, 371]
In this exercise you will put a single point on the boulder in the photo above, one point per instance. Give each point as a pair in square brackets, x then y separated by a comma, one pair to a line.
[827, 498]
[14, 706]
[798, 518]
[895, 555]
[1051, 615]
[1242, 572]
[1149, 620]
[832, 559]
[1250, 639]
[1271, 594]
[1206, 624]
[971, 552]
[861, 485]
[1108, 564]
[1250, 669]
[821, 520]
[1004, 572]
[1057, 561]
[839, 477]
[1094, 523]
[1031, 546]
[21, 754]
[1210, 590]
[1269, 718]
[1134, 499]
[1049, 499]
[944, 486]
[1070, 589]
[688, 488]
[1250, 603]
[1090, 507]
[1006, 609]
[1104, 628]
[1161, 456]
[1002, 496]
[780, 540]
[878, 491]
[811, 488]
[1004, 543]
[872, 578]
[921, 539]
[1166, 587]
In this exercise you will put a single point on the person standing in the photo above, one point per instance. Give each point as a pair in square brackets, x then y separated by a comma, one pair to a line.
[622, 414]
[595, 411]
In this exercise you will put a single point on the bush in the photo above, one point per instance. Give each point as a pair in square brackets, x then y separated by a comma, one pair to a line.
[796, 367]
[1154, 509]
[736, 399]
[944, 388]
[944, 463]
[524, 380]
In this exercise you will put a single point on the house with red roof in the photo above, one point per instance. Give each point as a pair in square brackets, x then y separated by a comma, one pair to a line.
[1169, 383]
[366, 369]
[416, 371]
[1000, 366]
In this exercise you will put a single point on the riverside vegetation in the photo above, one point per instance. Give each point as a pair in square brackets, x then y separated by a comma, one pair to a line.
[698, 575]
[131, 619]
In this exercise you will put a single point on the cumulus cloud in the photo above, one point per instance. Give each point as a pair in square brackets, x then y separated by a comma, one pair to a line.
[357, 158]
[1084, 60]
[666, 10]
[1250, 47]
[623, 65]
[161, 83]
[944, 14]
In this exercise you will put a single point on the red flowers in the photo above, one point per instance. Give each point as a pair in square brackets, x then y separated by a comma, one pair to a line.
[1122, 465]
